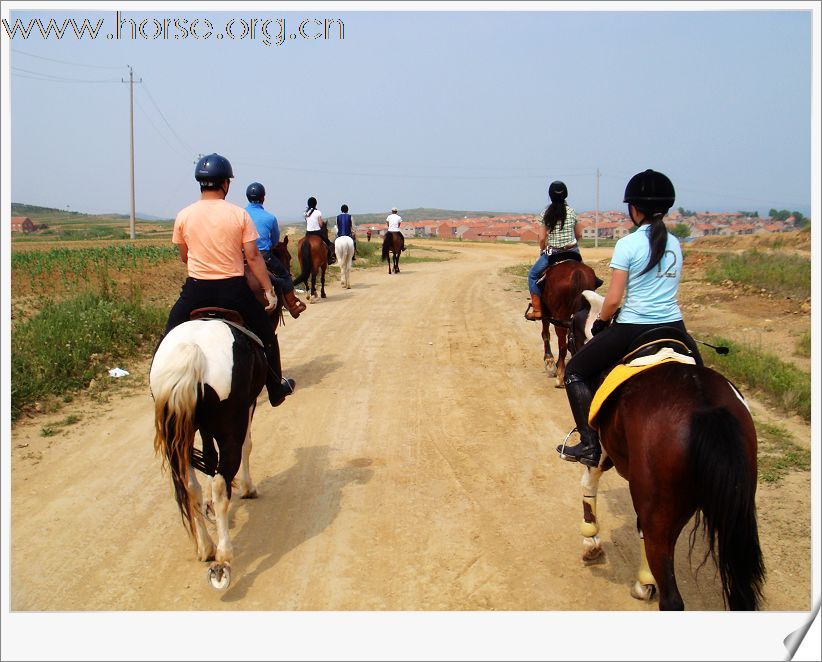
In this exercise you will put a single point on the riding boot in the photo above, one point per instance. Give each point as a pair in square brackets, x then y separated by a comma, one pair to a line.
[332, 258]
[587, 451]
[536, 312]
[278, 388]
[294, 305]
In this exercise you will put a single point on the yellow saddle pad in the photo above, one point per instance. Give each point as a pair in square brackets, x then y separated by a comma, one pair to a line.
[623, 372]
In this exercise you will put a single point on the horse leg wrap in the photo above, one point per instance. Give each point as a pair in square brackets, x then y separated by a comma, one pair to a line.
[644, 575]
[589, 527]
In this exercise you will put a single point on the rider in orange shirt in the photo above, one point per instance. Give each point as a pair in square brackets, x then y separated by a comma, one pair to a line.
[213, 235]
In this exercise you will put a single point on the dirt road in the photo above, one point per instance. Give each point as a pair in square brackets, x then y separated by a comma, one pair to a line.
[413, 469]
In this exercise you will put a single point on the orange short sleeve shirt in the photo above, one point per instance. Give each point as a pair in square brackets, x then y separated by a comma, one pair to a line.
[214, 232]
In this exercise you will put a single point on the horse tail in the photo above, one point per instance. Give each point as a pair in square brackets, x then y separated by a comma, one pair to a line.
[725, 492]
[385, 246]
[176, 391]
[305, 263]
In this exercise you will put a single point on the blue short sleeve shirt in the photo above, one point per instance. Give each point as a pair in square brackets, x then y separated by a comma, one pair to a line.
[266, 224]
[651, 297]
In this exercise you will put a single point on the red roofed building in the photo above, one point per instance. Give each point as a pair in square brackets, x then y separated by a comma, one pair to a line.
[22, 224]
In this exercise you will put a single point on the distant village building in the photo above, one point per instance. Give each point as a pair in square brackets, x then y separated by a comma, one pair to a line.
[22, 224]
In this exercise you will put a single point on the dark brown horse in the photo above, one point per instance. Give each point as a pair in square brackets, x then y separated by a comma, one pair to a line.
[683, 438]
[313, 257]
[393, 242]
[280, 251]
[561, 297]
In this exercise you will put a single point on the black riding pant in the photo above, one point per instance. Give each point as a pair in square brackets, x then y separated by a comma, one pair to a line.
[609, 346]
[232, 293]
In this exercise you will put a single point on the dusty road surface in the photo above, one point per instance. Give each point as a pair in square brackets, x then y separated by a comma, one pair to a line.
[413, 469]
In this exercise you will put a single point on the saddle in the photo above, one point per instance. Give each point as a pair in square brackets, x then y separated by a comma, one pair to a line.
[650, 349]
[556, 258]
[230, 317]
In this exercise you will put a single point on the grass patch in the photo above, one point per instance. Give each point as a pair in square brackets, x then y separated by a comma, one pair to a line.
[54, 428]
[518, 270]
[782, 274]
[778, 454]
[69, 343]
[803, 345]
[784, 385]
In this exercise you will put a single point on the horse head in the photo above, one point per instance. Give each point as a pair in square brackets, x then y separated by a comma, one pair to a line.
[282, 253]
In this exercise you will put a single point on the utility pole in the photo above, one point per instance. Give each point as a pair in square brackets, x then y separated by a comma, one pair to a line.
[130, 82]
[596, 217]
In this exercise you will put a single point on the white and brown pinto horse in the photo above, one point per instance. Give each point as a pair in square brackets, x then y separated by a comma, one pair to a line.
[205, 376]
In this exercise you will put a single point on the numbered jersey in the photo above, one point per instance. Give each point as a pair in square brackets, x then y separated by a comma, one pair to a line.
[651, 297]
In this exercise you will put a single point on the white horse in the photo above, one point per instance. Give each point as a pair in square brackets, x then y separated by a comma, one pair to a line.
[344, 248]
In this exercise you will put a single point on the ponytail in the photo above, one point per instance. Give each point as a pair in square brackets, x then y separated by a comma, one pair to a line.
[553, 215]
[312, 207]
[658, 240]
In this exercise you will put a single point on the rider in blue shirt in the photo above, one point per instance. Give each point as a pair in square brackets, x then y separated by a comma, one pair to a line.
[345, 227]
[269, 232]
[647, 268]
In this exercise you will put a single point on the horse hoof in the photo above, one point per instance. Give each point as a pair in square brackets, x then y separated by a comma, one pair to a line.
[251, 494]
[593, 556]
[645, 592]
[219, 576]
[323, 295]
[550, 369]
[559, 384]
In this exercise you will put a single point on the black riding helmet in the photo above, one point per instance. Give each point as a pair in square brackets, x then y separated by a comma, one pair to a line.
[650, 191]
[255, 192]
[557, 191]
[212, 170]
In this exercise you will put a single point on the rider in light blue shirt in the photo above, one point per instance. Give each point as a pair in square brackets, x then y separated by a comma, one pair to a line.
[647, 269]
[650, 298]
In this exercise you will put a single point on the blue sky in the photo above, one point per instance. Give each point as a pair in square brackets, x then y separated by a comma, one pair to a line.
[460, 109]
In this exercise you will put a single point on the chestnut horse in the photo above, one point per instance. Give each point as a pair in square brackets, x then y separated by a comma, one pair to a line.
[393, 242]
[561, 297]
[683, 437]
[313, 257]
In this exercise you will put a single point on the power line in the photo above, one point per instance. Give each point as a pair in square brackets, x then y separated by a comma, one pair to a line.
[271, 166]
[170, 128]
[159, 133]
[74, 64]
[61, 79]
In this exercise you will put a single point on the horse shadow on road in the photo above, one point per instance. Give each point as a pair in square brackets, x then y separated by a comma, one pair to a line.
[312, 372]
[294, 506]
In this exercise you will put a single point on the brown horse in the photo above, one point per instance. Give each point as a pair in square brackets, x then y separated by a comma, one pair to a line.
[393, 242]
[313, 257]
[561, 297]
[682, 436]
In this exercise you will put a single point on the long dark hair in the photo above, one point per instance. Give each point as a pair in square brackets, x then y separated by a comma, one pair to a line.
[555, 213]
[658, 240]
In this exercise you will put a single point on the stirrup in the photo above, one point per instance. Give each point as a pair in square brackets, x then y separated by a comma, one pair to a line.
[533, 319]
[582, 459]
